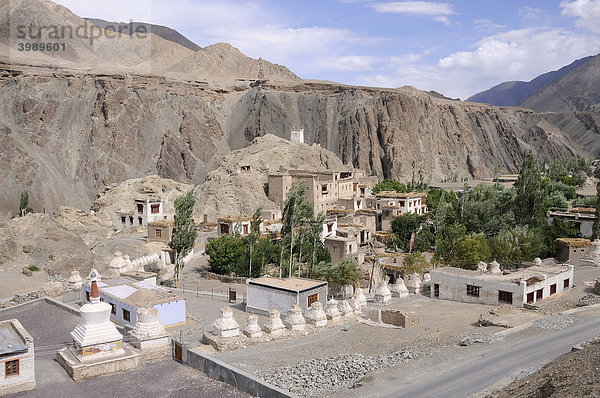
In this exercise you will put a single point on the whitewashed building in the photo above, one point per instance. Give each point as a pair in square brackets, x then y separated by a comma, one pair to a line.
[523, 286]
[17, 372]
[266, 293]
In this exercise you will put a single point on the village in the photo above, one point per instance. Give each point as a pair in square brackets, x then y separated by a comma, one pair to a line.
[337, 293]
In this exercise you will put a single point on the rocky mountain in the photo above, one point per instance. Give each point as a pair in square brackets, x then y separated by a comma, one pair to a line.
[578, 90]
[68, 131]
[514, 93]
[159, 30]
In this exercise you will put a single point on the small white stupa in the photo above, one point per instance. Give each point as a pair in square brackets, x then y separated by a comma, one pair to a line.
[332, 311]
[226, 325]
[382, 291]
[398, 289]
[494, 268]
[294, 319]
[316, 316]
[360, 296]
[75, 281]
[96, 334]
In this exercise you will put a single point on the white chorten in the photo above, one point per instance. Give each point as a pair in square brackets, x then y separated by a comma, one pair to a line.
[274, 326]
[332, 311]
[252, 330]
[494, 268]
[75, 281]
[315, 315]
[398, 289]
[294, 319]
[382, 291]
[360, 296]
[345, 308]
[226, 325]
[95, 333]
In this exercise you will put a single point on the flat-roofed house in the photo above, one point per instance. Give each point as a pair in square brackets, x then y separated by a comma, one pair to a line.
[17, 372]
[241, 223]
[571, 250]
[160, 231]
[523, 286]
[267, 293]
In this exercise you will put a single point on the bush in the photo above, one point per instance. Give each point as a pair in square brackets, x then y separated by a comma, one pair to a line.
[414, 262]
[33, 268]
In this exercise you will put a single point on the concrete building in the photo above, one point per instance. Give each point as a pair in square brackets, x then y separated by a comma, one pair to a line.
[341, 246]
[412, 202]
[571, 250]
[160, 231]
[323, 188]
[297, 135]
[582, 218]
[236, 222]
[126, 295]
[144, 212]
[17, 372]
[523, 286]
[266, 293]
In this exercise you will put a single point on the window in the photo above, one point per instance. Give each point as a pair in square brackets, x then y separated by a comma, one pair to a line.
[245, 229]
[436, 290]
[113, 308]
[473, 290]
[11, 368]
[140, 221]
[539, 294]
[566, 284]
[123, 220]
[158, 233]
[87, 296]
[329, 228]
[224, 229]
[553, 289]
[362, 191]
[313, 298]
[126, 315]
[131, 220]
[504, 297]
[140, 208]
[530, 297]
[155, 209]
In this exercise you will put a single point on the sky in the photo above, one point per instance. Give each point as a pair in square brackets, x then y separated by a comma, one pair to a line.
[456, 47]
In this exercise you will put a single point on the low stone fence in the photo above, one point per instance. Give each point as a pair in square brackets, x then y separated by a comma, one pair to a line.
[226, 373]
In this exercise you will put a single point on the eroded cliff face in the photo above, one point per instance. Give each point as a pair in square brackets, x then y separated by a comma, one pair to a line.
[386, 130]
[66, 136]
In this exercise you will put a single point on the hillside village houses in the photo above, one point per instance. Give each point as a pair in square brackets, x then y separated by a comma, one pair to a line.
[144, 211]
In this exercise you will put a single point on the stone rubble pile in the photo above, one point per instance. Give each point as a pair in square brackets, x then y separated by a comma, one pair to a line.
[554, 322]
[318, 377]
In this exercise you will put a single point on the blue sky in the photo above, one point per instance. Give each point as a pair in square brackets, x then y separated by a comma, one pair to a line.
[455, 47]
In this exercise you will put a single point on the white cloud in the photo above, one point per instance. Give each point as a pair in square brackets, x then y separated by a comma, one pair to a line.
[487, 25]
[346, 63]
[414, 7]
[585, 12]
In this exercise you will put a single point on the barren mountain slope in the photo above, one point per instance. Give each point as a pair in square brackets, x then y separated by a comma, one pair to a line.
[578, 90]
[65, 136]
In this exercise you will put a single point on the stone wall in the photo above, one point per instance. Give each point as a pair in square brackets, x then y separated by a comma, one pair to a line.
[400, 318]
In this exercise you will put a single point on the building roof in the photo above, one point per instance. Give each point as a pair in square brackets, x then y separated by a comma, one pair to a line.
[231, 218]
[573, 242]
[529, 274]
[340, 238]
[10, 340]
[296, 285]
[162, 223]
[126, 291]
[408, 195]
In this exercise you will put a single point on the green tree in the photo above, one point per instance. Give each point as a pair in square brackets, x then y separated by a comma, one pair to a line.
[226, 254]
[596, 227]
[448, 238]
[512, 247]
[344, 273]
[529, 196]
[424, 239]
[184, 233]
[403, 227]
[414, 262]
[24, 208]
[470, 251]
[389, 185]
[253, 236]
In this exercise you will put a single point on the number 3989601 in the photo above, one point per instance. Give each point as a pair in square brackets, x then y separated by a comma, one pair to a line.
[42, 47]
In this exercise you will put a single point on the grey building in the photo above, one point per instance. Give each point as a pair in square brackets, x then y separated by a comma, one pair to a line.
[523, 286]
[17, 372]
[266, 293]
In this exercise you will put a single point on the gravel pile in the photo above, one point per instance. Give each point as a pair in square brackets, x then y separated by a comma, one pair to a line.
[588, 299]
[318, 377]
[554, 322]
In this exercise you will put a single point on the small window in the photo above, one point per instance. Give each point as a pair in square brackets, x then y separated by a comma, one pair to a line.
[140, 220]
[113, 308]
[131, 220]
[224, 229]
[157, 233]
[539, 294]
[566, 284]
[313, 298]
[505, 297]
[473, 290]
[436, 290]
[329, 228]
[123, 220]
[11, 368]
[245, 229]
[155, 209]
[553, 289]
[87, 296]
[126, 315]
[140, 208]
[530, 297]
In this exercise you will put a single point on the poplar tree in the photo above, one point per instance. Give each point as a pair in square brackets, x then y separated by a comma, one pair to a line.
[184, 233]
